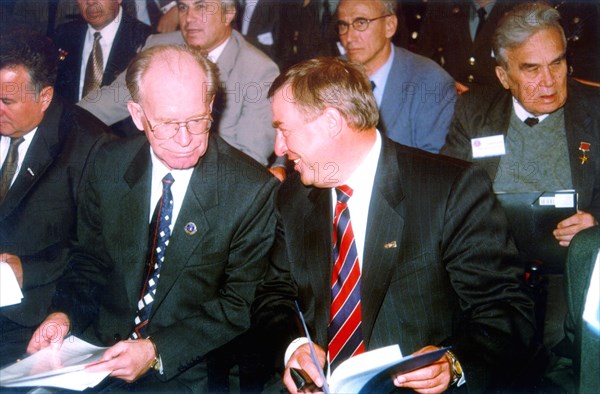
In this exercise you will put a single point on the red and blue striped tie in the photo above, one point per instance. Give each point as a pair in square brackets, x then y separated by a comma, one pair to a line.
[344, 331]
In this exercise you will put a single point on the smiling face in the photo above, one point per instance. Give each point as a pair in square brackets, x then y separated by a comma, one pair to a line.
[536, 72]
[204, 24]
[166, 96]
[371, 47]
[307, 143]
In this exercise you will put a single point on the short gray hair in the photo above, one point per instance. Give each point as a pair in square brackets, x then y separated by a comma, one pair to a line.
[142, 62]
[520, 23]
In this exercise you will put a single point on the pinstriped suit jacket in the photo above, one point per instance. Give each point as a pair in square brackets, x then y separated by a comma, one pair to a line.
[450, 279]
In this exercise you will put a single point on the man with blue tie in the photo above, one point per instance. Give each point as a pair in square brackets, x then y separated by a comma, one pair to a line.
[165, 295]
[383, 244]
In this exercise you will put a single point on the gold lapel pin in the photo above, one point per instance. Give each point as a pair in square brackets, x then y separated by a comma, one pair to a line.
[390, 245]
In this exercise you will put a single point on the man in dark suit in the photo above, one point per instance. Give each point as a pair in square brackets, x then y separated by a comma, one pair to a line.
[195, 271]
[542, 129]
[460, 40]
[45, 145]
[122, 36]
[414, 95]
[430, 252]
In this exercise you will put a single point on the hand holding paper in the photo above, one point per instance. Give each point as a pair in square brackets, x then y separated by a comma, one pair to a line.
[566, 229]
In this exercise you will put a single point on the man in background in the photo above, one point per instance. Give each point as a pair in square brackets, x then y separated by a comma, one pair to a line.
[45, 146]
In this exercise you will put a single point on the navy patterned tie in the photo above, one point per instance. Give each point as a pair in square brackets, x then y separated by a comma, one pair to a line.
[163, 211]
[344, 331]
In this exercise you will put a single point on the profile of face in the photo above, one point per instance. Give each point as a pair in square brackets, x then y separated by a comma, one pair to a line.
[370, 47]
[173, 92]
[204, 24]
[536, 73]
[21, 109]
[311, 145]
[99, 13]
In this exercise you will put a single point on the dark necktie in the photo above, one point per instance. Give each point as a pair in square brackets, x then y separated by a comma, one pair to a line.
[344, 331]
[373, 86]
[481, 14]
[94, 68]
[531, 121]
[9, 168]
[160, 239]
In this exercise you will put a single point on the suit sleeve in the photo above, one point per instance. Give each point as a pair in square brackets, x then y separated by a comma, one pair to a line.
[497, 325]
[458, 142]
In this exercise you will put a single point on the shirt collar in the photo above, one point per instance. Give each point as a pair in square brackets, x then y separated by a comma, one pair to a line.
[214, 55]
[523, 114]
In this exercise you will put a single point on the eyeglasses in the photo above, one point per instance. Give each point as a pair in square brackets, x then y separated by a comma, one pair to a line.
[197, 125]
[359, 24]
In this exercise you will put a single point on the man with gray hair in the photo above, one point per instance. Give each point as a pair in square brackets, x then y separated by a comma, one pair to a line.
[157, 274]
[242, 113]
[542, 131]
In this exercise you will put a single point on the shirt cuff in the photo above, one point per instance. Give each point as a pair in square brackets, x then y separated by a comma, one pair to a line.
[292, 347]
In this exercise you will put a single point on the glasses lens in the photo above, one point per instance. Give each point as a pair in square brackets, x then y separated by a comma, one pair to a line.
[165, 131]
[360, 24]
[198, 126]
[342, 27]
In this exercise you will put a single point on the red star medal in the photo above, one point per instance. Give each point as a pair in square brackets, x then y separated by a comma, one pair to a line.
[584, 147]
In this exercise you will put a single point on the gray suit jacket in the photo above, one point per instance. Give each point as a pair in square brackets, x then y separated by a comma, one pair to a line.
[485, 112]
[449, 280]
[418, 102]
[208, 278]
[242, 110]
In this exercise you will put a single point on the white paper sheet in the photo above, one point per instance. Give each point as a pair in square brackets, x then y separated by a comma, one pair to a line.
[10, 292]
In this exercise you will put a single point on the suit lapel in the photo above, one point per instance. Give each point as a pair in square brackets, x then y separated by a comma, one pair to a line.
[42, 152]
[384, 234]
[137, 204]
[319, 259]
[577, 122]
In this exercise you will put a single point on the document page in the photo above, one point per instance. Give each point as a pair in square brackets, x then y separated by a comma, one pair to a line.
[10, 292]
[64, 368]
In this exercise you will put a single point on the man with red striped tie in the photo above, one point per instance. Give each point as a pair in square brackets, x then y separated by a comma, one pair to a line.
[383, 244]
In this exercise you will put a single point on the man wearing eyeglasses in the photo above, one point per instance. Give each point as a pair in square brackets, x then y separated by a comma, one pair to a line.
[414, 95]
[174, 232]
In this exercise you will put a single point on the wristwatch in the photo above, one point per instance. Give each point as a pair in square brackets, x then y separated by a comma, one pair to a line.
[156, 362]
[457, 371]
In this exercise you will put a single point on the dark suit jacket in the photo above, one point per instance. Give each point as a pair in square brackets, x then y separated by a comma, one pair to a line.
[486, 112]
[38, 215]
[208, 278]
[264, 23]
[446, 35]
[448, 281]
[70, 37]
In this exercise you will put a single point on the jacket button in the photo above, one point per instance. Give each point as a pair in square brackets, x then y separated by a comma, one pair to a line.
[117, 337]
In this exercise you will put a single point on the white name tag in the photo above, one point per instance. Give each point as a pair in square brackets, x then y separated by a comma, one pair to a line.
[488, 146]
[563, 200]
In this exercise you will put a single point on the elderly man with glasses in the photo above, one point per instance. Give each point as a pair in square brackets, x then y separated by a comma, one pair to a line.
[174, 231]
[414, 95]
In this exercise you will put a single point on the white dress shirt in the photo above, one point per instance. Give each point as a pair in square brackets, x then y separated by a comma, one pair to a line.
[22, 149]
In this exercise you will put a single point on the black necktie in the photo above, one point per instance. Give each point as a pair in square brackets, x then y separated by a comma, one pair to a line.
[9, 168]
[373, 86]
[531, 121]
[481, 14]
[154, 13]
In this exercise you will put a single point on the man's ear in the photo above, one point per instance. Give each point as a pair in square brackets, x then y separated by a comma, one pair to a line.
[46, 97]
[334, 120]
[391, 25]
[135, 110]
[502, 76]
[229, 15]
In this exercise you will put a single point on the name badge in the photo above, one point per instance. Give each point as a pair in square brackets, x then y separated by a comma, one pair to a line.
[488, 146]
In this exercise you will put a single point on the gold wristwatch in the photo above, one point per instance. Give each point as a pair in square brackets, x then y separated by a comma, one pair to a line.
[156, 362]
[457, 371]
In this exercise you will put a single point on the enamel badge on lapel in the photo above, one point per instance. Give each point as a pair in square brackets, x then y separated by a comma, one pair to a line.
[190, 228]
[584, 147]
[390, 245]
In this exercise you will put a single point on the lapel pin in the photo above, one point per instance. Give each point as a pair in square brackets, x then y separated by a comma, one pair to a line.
[190, 228]
[390, 245]
[30, 171]
[584, 147]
